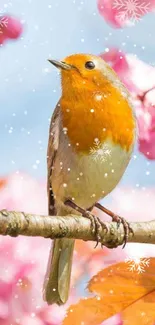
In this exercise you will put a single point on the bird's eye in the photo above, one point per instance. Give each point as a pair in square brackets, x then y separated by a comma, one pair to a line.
[90, 65]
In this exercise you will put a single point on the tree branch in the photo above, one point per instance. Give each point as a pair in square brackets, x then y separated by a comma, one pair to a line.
[15, 223]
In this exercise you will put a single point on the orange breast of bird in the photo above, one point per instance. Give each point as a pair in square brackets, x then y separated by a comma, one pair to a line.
[89, 113]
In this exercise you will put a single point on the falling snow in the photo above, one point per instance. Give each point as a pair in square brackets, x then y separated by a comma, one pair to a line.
[131, 10]
[137, 264]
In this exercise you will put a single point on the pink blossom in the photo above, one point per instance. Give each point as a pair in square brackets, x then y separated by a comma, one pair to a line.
[146, 123]
[133, 72]
[10, 28]
[120, 13]
[2, 38]
[109, 13]
[23, 260]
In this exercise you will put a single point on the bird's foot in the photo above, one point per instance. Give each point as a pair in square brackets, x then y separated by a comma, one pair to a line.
[96, 225]
[119, 220]
[127, 228]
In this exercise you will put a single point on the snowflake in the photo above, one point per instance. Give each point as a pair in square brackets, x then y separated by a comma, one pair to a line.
[131, 10]
[137, 264]
[99, 152]
[3, 21]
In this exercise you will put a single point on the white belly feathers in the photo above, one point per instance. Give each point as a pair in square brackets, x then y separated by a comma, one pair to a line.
[87, 178]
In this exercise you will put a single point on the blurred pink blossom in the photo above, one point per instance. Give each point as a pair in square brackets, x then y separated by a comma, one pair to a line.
[146, 122]
[133, 72]
[109, 13]
[2, 38]
[10, 28]
[120, 13]
[23, 260]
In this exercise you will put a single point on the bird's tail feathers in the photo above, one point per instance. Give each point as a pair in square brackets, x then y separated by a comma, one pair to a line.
[57, 278]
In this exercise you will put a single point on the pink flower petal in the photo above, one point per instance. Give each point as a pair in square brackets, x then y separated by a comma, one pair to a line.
[147, 146]
[120, 13]
[107, 10]
[4, 311]
[31, 320]
[11, 28]
[3, 38]
[14, 28]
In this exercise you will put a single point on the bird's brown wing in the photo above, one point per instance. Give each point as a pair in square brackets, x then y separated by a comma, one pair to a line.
[52, 148]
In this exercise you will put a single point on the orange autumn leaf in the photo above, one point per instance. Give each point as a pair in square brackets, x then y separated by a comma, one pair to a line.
[86, 312]
[90, 311]
[118, 290]
[142, 312]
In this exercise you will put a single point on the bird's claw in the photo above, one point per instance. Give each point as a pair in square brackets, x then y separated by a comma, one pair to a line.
[127, 229]
[96, 226]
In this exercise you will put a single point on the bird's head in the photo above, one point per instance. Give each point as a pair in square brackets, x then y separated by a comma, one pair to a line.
[78, 70]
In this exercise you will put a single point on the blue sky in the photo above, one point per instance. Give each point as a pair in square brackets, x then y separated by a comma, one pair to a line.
[30, 87]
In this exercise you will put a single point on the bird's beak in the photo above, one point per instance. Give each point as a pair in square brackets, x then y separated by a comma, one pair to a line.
[61, 65]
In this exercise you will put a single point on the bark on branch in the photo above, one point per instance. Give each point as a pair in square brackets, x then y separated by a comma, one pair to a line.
[15, 223]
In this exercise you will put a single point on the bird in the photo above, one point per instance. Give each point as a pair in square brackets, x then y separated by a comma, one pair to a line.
[91, 139]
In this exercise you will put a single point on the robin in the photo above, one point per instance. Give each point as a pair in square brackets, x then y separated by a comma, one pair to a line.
[91, 139]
